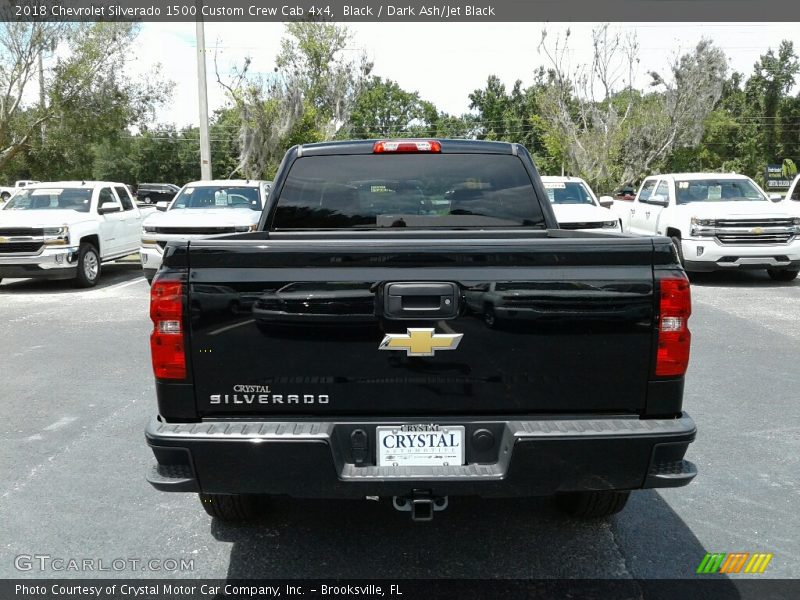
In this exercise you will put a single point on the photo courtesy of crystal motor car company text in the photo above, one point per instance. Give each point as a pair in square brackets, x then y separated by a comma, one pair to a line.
[348, 281]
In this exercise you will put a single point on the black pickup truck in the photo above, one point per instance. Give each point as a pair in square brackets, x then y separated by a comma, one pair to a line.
[410, 323]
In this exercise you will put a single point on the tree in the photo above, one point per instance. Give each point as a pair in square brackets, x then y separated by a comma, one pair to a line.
[675, 117]
[773, 77]
[511, 117]
[438, 124]
[20, 47]
[789, 124]
[611, 133]
[384, 109]
[494, 108]
[313, 91]
[86, 101]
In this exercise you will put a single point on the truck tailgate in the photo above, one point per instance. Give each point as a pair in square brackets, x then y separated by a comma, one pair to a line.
[550, 322]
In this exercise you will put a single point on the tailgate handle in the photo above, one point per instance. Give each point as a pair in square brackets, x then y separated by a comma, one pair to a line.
[421, 300]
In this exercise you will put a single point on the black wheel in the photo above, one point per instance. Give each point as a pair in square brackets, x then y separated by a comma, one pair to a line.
[592, 505]
[677, 241]
[782, 274]
[5, 196]
[88, 266]
[233, 507]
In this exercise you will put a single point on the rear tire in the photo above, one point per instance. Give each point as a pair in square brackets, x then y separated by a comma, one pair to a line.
[88, 266]
[592, 505]
[233, 507]
[782, 274]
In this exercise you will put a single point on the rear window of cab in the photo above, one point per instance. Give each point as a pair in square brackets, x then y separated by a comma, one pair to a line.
[407, 190]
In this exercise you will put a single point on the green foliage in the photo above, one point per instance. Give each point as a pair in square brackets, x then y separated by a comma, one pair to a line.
[82, 121]
[773, 76]
[97, 124]
[383, 109]
[510, 116]
[755, 122]
[789, 127]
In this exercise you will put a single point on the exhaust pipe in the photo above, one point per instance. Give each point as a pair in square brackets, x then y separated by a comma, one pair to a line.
[420, 504]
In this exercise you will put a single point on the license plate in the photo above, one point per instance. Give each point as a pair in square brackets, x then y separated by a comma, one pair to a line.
[420, 446]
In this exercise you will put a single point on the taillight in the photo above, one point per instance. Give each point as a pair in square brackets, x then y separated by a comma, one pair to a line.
[674, 337]
[166, 341]
[386, 146]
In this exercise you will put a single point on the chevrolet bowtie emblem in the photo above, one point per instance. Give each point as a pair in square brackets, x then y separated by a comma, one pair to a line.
[758, 230]
[421, 341]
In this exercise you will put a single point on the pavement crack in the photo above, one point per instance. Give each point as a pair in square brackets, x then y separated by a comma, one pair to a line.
[624, 559]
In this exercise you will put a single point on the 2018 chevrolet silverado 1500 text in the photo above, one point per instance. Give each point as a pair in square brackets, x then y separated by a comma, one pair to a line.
[358, 361]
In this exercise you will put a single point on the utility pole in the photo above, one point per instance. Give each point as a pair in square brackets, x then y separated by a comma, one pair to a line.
[41, 90]
[202, 92]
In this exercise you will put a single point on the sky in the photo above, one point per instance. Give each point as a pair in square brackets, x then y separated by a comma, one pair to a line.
[449, 61]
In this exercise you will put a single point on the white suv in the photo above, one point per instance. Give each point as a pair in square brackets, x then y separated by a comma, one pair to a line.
[201, 209]
[66, 229]
[718, 222]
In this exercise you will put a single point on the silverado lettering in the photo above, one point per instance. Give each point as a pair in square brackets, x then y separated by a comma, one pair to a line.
[370, 256]
[268, 399]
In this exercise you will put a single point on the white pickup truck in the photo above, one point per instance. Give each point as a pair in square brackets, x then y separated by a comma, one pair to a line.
[7, 192]
[576, 206]
[67, 229]
[201, 209]
[718, 221]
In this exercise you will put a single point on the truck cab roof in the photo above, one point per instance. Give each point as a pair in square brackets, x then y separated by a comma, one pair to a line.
[448, 146]
[228, 182]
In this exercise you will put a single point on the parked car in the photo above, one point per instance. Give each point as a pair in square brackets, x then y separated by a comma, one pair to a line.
[152, 193]
[418, 403]
[718, 222]
[201, 208]
[67, 229]
[576, 207]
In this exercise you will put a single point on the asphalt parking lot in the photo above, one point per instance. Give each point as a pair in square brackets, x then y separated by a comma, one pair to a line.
[77, 390]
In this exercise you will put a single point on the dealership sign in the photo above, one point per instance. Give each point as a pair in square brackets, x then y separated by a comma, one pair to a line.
[780, 176]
